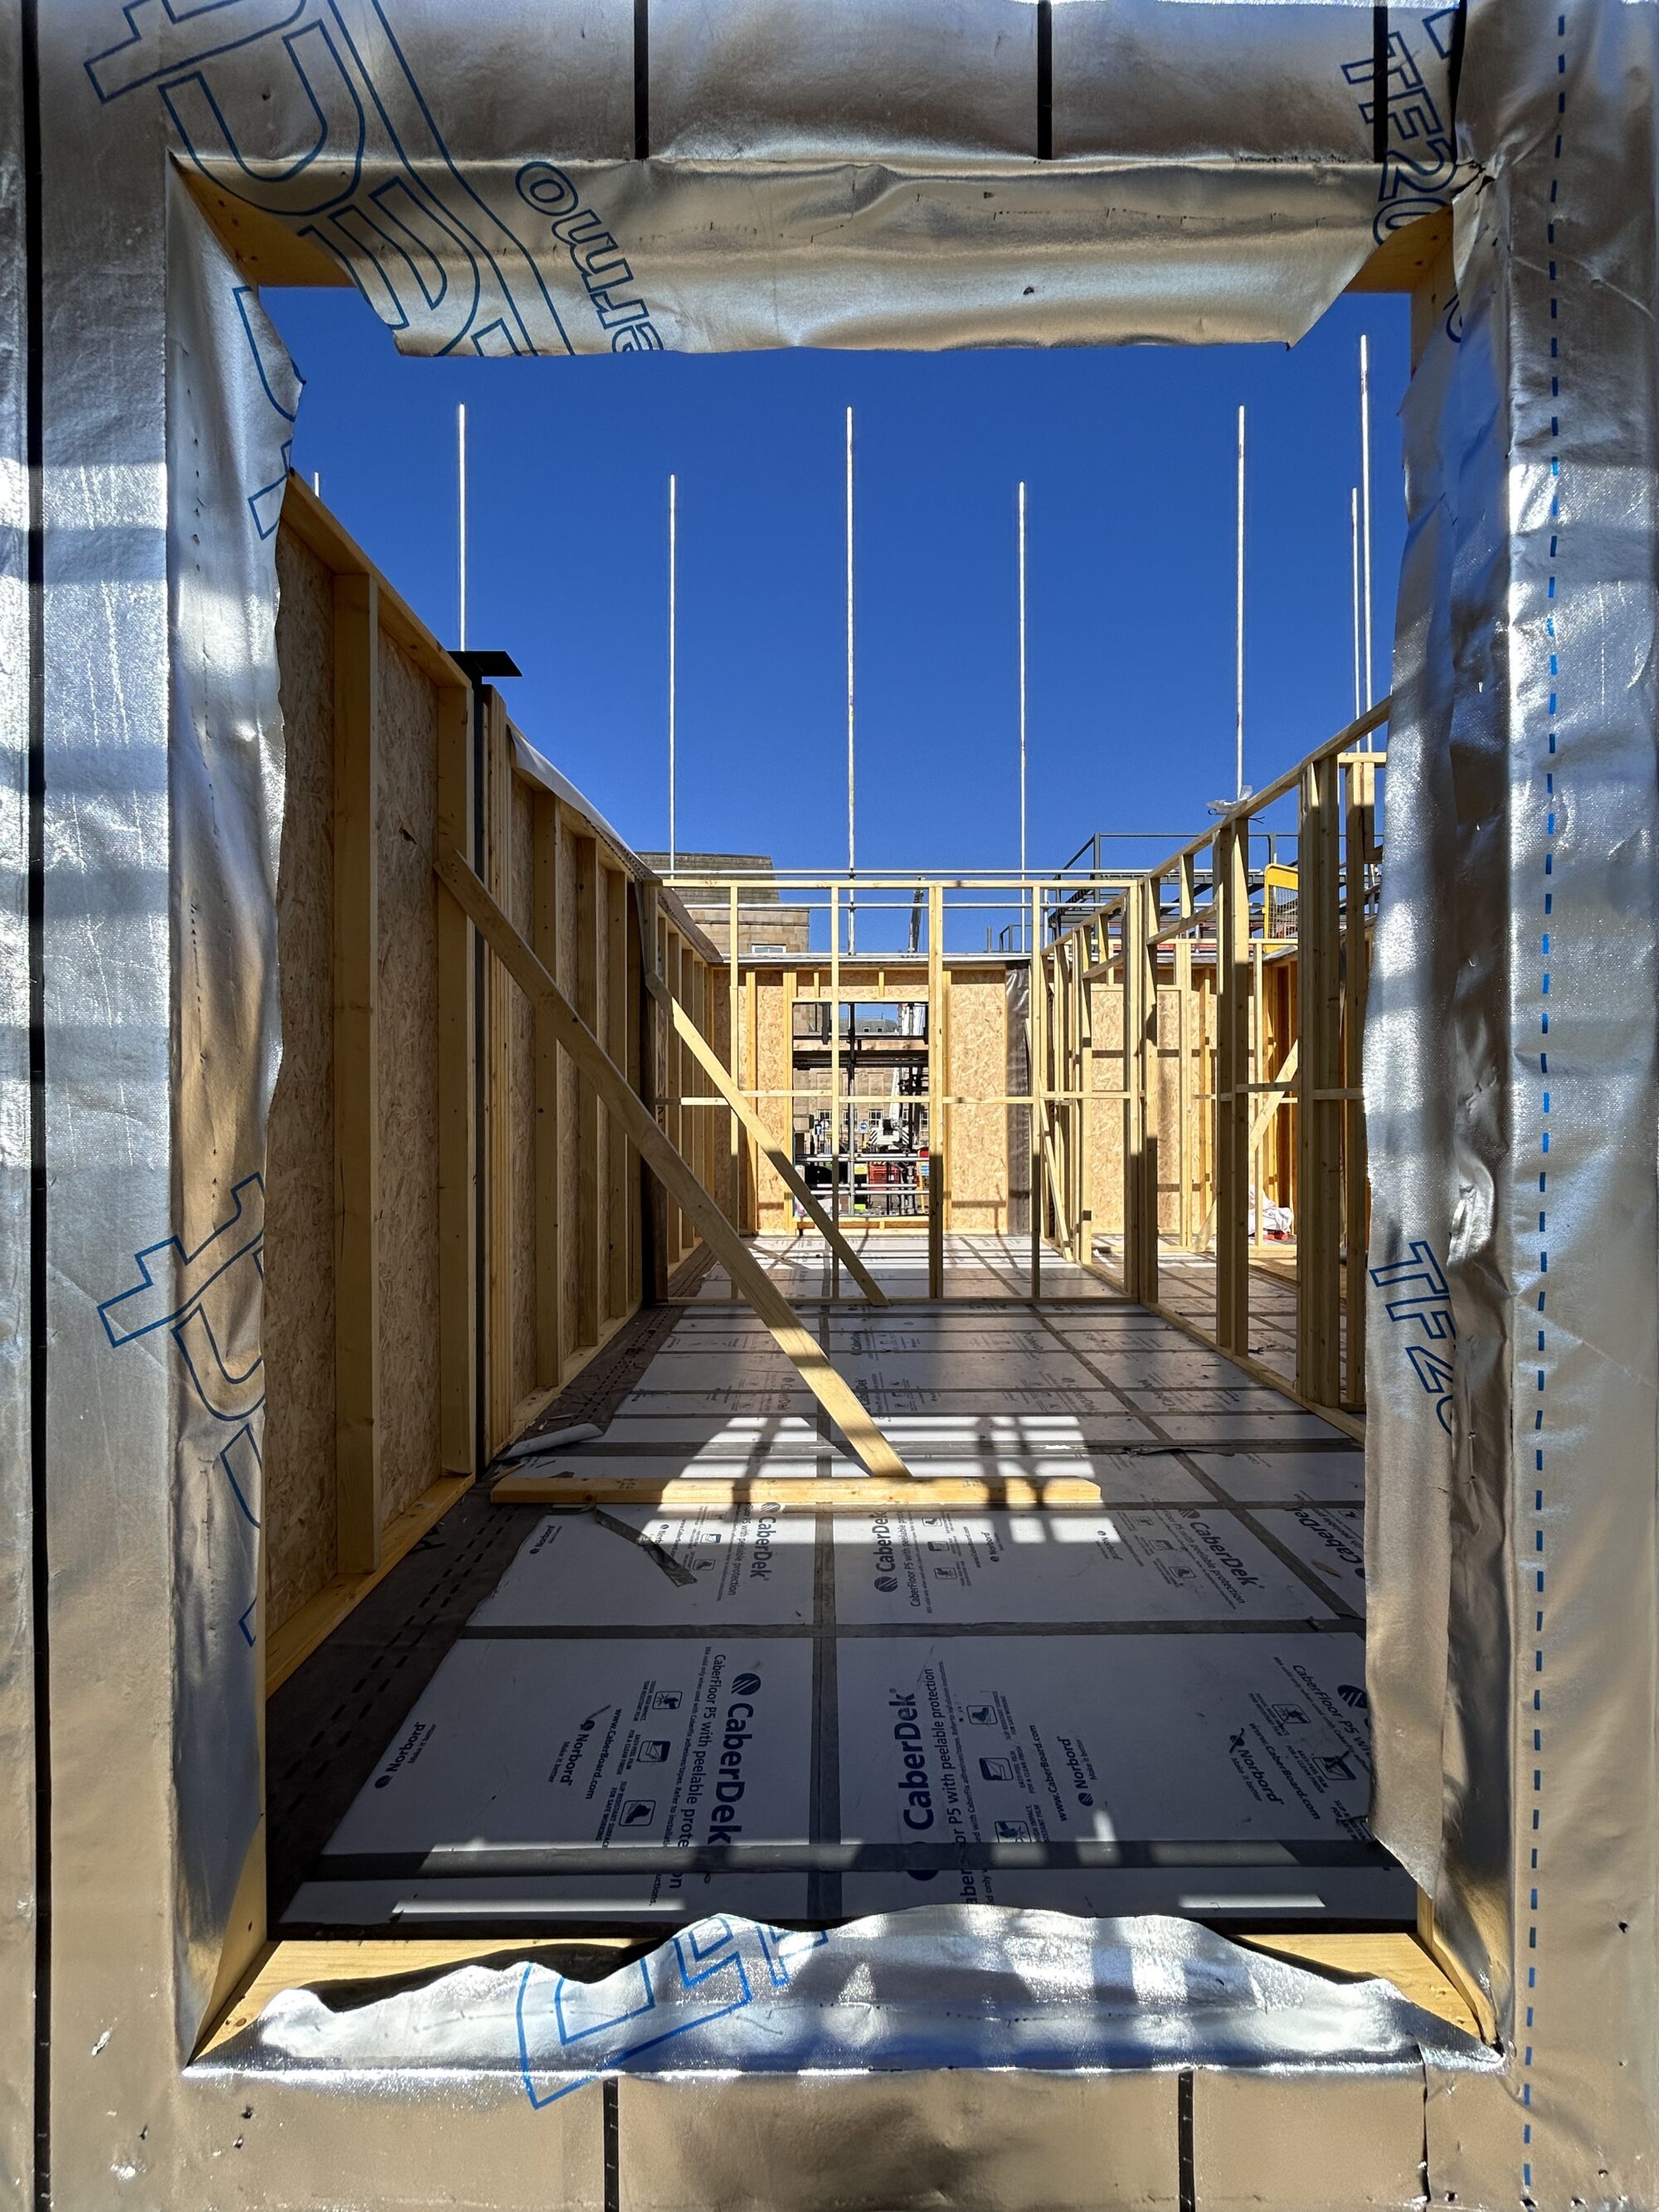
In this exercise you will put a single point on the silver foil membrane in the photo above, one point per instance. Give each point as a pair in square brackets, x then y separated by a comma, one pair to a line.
[507, 178]
[1511, 1104]
[17, 1808]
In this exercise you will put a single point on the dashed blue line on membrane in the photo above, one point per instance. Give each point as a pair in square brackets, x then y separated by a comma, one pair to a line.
[1543, 1256]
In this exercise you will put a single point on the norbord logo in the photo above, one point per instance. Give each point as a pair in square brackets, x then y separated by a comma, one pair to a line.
[411, 1747]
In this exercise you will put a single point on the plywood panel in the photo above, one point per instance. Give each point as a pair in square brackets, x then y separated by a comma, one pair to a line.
[408, 1080]
[299, 1249]
[977, 1141]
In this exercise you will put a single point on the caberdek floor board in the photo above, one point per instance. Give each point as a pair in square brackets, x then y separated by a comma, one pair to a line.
[1153, 1704]
[944, 1433]
[1015, 1767]
[976, 1266]
[1156, 1704]
[1261, 1476]
[586, 1570]
[1133, 1563]
[943, 1366]
[1330, 1538]
[1157, 1477]
[1122, 1477]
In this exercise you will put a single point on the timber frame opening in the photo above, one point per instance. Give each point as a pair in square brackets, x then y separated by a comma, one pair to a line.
[1176, 1062]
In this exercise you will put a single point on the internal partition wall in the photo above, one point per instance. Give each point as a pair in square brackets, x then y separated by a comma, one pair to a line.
[454, 1227]
[1196, 1130]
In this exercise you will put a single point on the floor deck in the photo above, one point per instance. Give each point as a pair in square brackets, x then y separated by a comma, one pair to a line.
[1150, 1702]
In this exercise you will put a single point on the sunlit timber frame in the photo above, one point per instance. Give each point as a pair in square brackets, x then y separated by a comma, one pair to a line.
[1237, 972]
[1188, 1038]
[1195, 1031]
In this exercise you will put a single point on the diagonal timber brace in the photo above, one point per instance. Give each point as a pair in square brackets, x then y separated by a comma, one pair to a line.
[709, 1059]
[872, 1449]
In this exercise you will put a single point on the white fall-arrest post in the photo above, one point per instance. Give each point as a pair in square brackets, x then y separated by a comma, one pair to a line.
[673, 569]
[1353, 549]
[1365, 510]
[460, 520]
[1238, 631]
[1022, 679]
[851, 839]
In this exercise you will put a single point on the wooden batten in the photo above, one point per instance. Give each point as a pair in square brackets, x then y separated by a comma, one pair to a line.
[1358, 851]
[618, 1210]
[497, 1173]
[457, 1099]
[938, 1061]
[356, 1078]
[551, 1347]
[1232, 1096]
[1319, 1084]
[589, 1135]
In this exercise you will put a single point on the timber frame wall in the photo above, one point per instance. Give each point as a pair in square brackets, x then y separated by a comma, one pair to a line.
[453, 1225]
[456, 1221]
[1196, 1028]
[1217, 1003]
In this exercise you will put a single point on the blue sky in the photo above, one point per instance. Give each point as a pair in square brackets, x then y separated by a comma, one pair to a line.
[1128, 455]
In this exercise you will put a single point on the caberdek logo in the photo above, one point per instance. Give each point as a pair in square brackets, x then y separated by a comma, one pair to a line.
[723, 1821]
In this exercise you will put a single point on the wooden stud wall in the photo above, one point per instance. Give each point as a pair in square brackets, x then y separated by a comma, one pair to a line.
[434, 1157]
[1223, 995]
[1192, 1045]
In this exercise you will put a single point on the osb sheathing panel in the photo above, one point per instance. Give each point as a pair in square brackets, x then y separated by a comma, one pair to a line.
[569, 1242]
[775, 1056]
[718, 1033]
[1106, 1114]
[1167, 1110]
[1278, 1154]
[687, 1081]
[299, 1514]
[407, 798]
[747, 1057]
[1201, 1019]
[521, 1065]
[976, 1138]
[976, 1054]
